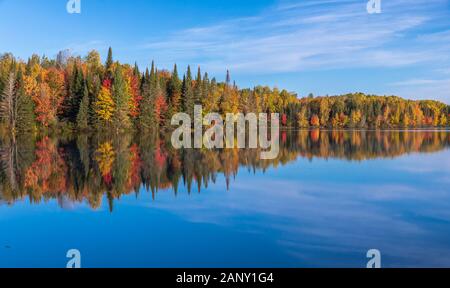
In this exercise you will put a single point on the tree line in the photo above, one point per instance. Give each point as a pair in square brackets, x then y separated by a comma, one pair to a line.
[84, 94]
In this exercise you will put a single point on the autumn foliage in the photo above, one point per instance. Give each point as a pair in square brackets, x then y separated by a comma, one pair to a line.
[82, 93]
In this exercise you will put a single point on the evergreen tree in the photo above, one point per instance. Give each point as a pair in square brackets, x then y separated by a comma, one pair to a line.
[205, 86]
[188, 93]
[152, 77]
[147, 74]
[198, 91]
[71, 102]
[121, 98]
[136, 70]
[160, 105]
[208, 101]
[174, 92]
[146, 119]
[25, 107]
[94, 86]
[83, 113]
[109, 64]
[225, 99]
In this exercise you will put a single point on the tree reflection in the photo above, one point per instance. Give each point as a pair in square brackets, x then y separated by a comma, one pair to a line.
[91, 167]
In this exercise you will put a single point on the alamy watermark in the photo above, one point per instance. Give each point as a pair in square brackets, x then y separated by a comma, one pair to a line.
[75, 258]
[214, 136]
[73, 6]
[375, 258]
[374, 7]
[74, 255]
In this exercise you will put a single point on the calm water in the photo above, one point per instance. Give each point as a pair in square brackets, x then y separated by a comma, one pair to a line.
[133, 201]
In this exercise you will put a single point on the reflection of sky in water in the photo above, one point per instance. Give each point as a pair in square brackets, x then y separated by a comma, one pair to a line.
[307, 213]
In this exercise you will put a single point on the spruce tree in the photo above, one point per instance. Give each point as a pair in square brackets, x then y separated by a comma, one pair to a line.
[225, 99]
[83, 113]
[198, 91]
[136, 70]
[71, 102]
[121, 98]
[109, 64]
[78, 93]
[174, 91]
[188, 93]
[206, 100]
[94, 87]
[147, 117]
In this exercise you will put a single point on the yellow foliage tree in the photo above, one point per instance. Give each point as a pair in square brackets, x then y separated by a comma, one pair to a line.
[443, 121]
[104, 106]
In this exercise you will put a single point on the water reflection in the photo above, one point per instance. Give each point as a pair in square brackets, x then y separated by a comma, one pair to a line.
[88, 167]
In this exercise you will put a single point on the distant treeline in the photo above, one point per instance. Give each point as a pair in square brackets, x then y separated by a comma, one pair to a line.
[85, 94]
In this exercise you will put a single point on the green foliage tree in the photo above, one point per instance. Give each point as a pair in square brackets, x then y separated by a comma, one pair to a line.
[174, 92]
[121, 98]
[147, 119]
[26, 120]
[188, 97]
[83, 112]
[109, 64]
[198, 89]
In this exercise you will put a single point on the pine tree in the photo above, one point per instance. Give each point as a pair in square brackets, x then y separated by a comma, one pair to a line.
[71, 103]
[83, 113]
[94, 86]
[136, 72]
[205, 86]
[147, 74]
[198, 91]
[109, 64]
[174, 91]
[77, 94]
[225, 99]
[152, 77]
[209, 101]
[188, 93]
[147, 117]
[121, 98]
[160, 104]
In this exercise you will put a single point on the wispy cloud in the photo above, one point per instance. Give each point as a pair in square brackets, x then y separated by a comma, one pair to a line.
[420, 82]
[425, 88]
[309, 35]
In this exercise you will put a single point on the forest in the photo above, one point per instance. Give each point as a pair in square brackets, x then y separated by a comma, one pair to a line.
[71, 93]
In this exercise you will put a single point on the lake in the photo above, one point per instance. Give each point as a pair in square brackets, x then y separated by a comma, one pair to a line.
[133, 201]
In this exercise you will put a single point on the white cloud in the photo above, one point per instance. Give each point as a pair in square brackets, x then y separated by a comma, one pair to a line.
[294, 37]
[419, 82]
[437, 89]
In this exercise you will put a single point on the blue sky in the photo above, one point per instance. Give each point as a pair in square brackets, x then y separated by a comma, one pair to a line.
[319, 46]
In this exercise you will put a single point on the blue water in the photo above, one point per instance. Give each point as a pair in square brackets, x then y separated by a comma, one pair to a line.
[308, 212]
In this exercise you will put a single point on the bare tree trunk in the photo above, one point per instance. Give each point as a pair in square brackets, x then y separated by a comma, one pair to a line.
[8, 104]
